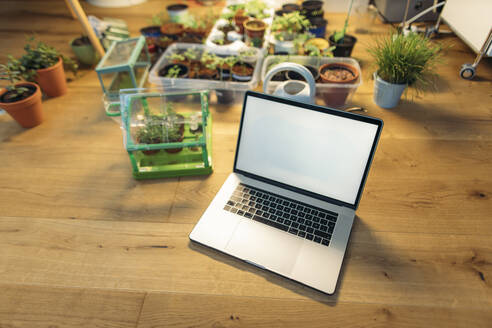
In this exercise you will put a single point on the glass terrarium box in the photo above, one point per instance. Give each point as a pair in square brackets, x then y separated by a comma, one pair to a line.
[125, 66]
[167, 134]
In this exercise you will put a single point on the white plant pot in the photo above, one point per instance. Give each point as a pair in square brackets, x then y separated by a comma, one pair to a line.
[387, 95]
[285, 46]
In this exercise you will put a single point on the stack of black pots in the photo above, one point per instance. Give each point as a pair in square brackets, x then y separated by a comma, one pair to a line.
[313, 10]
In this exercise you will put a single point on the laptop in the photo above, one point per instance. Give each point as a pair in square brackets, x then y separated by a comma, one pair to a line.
[289, 204]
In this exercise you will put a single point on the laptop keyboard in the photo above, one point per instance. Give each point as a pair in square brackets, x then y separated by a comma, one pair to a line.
[289, 215]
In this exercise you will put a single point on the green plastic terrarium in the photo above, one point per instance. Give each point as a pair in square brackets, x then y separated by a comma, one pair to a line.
[125, 66]
[167, 134]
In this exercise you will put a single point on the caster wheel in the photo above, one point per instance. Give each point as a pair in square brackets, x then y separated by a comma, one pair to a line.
[467, 71]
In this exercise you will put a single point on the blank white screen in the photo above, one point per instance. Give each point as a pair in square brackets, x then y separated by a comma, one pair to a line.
[314, 151]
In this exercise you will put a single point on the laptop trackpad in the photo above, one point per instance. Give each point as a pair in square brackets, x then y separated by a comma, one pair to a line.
[264, 245]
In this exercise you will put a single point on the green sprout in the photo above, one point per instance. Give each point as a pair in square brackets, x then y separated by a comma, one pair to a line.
[173, 72]
[338, 36]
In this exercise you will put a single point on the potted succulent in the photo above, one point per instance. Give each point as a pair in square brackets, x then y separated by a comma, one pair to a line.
[241, 69]
[45, 65]
[255, 30]
[22, 100]
[402, 60]
[343, 42]
[288, 31]
[84, 51]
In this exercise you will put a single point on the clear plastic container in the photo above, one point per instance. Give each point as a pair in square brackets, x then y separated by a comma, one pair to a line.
[227, 91]
[125, 65]
[166, 133]
[335, 95]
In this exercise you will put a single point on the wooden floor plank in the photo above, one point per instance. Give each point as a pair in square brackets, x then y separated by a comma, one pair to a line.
[175, 310]
[33, 306]
[408, 268]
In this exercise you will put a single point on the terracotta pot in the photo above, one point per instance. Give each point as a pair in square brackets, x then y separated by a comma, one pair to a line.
[28, 112]
[337, 95]
[239, 20]
[172, 29]
[175, 150]
[242, 72]
[255, 30]
[52, 80]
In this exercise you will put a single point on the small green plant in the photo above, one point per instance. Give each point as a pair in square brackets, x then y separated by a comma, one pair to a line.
[338, 36]
[287, 26]
[12, 73]
[256, 8]
[40, 55]
[152, 131]
[229, 16]
[406, 59]
[190, 21]
[219, 41]
[173, 72]
[191, 54]
[157, 19]
[176, 57]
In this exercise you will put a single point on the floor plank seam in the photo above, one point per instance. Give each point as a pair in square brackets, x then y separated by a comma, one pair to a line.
[141, 309]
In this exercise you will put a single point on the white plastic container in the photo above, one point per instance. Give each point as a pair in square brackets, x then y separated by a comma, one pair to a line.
[335, 95]
[227, 91]
[239, 44]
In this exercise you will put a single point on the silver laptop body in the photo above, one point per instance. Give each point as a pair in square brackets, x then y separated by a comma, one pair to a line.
[309, 158]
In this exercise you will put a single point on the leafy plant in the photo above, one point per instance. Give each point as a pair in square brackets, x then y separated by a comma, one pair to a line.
[191, 54]
[406, 59]
[152, 132]
[173, 72]
[256, 8]
[286, 26]
[190, 21]
[338, 36]
[176, 57]
[157, 19]
[40, 55]
[12, 73]
[314, 51]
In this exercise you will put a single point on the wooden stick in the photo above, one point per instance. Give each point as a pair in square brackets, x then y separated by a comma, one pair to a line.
[77, 9]
[74, 16]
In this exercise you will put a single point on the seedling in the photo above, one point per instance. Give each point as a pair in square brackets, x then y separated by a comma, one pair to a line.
[338, 36]
[173, 72]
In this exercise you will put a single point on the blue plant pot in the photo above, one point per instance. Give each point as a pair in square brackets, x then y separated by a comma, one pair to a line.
[319, 29]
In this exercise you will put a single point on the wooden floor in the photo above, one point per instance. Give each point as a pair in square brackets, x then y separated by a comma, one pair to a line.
[82, 244]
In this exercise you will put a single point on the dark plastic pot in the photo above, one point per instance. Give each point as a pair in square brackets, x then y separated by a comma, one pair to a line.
[344, 48]
[319, 29]
[312, 8]
[151, 31]
[291, 7]
[224, 96]
[280, 12]
[184, 70]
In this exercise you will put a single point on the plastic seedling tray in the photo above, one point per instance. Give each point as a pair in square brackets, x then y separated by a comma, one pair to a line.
[161, 160]
[237, 88]
[339, 93]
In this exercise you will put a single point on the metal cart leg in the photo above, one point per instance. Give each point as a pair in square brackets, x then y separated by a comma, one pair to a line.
[468, 70]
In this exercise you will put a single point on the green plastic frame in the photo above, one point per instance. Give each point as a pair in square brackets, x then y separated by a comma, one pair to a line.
[195, 157]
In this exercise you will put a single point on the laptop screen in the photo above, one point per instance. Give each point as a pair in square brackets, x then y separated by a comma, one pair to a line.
[325, 152]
